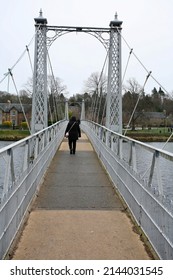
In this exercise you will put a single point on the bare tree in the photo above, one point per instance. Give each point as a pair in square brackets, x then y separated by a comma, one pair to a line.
[29, 86]
[95, 82]
[133, 86]
[133, 91]
[56, 92]
[25, 97]
[96, 87]
[55, 86]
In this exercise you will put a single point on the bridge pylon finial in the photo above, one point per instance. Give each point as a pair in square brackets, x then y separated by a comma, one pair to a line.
[41, 13]
[116, 22]
[40, 19]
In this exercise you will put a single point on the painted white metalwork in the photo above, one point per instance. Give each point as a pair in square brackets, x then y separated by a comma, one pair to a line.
[22, 167]
[114, 94]
[39, 99]
[83, 110]
[66, 110]
[96, 32]
[112, 45]
[133, 168]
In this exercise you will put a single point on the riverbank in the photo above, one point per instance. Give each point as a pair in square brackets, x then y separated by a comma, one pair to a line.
[13, 135]
[153, 135]
[143, 136]
[149, 138]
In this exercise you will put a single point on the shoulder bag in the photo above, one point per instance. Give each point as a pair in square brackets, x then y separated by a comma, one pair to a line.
[67, 133]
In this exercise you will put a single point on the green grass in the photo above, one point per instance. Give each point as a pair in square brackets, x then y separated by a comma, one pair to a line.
[160, 134]
[153, 131]
[7, 134]
[154, 134]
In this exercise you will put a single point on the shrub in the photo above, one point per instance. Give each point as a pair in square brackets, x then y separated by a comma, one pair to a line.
[7, 124]
[24, 125]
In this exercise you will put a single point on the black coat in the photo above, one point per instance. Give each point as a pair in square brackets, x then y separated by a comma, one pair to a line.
[74, 130]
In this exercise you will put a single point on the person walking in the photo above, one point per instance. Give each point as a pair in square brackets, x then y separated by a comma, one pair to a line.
[74, 132]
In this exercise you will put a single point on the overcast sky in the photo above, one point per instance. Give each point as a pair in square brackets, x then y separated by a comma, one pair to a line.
[147, 27]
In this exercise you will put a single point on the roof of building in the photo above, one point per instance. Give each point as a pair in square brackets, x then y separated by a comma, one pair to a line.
[154, 115]
[7, 107]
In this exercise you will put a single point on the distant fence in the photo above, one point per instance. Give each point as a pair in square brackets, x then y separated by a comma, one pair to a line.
[143, 175]
[22, 167]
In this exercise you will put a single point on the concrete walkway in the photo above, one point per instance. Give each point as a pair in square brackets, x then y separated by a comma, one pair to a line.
[77, 215]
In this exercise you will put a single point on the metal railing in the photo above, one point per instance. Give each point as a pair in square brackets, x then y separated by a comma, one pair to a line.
[22, 167]
[143, 176]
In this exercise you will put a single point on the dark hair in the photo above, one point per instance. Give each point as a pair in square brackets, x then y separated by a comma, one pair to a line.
[73, 118]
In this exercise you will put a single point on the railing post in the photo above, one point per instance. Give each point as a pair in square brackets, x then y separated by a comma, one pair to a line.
[36, 147]
[158, 173]
[119, 152]
[132, 157]
[112, 142]
[83, 110]
[9, 169]
[156, 166]
[66, 110]
[108, 139]
[26, 156]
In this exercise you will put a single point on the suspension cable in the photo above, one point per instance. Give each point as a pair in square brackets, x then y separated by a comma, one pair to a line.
[104, 110]
[127, 65]
[19, 99]
[167, 141]
[142, 63]
[101, 95]
[142, 90]
[93, 105]
[95, 102]
[51, 118]
[54, 99]
[27, 49]
[18, 60]
[94, 109]
[8, 84]
[8, 73]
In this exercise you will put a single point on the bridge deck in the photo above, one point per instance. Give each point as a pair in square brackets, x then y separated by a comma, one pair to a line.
[77, 214]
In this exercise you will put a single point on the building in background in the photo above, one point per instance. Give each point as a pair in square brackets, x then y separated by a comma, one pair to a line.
[15, 113]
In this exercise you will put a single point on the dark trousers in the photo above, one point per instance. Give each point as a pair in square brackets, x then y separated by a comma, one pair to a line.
[72, 145]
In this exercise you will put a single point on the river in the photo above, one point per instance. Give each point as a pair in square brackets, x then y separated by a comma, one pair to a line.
[5, 143]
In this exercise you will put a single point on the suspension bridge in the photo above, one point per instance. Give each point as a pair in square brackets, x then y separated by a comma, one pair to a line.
[106, 202]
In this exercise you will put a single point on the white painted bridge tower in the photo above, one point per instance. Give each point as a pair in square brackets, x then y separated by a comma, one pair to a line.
[39, 100]
[114, 91]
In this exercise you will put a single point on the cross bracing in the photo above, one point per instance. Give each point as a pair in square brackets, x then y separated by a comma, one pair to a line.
[112, 46]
